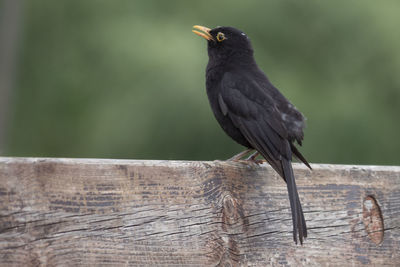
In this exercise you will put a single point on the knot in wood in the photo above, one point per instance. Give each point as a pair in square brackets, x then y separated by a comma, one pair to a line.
[230, 209]
[233, 216]
[373, 220]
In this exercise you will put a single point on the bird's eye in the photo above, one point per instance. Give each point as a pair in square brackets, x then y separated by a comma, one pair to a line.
[220, 37]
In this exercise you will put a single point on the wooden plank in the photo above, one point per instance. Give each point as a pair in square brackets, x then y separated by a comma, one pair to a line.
[67, 212]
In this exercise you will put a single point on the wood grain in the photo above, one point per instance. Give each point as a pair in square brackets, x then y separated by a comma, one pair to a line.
[68, 212]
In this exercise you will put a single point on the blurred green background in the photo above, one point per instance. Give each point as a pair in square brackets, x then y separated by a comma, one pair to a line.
[126, 79]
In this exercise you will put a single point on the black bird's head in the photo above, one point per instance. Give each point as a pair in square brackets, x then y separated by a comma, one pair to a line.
[225, 42]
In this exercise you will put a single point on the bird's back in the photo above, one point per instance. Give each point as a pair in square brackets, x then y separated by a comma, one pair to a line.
[291, 118]
[252, 81]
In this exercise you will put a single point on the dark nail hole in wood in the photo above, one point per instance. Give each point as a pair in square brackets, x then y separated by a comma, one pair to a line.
[373, 220]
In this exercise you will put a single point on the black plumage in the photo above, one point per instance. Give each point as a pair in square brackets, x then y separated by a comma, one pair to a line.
[252, 111]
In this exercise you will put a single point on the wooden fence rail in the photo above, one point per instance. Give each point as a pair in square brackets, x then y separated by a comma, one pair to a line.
[68, 212]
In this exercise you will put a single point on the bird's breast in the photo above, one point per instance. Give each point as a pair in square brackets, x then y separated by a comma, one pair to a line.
[213, 87]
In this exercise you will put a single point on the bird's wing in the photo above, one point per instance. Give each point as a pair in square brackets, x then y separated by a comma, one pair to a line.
[255, 114]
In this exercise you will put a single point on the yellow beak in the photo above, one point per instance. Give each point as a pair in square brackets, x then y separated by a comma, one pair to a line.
[203, 32]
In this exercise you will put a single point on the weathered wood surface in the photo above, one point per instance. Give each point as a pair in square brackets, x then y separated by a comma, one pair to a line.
[68, 212]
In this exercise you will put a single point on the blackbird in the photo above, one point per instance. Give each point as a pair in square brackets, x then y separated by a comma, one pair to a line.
[252, 111]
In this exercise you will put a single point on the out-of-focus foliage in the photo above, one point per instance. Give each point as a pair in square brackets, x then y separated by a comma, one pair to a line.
[126, 79]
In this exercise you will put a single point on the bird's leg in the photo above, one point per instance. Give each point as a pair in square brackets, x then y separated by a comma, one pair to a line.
[241, 154]
[253, 157]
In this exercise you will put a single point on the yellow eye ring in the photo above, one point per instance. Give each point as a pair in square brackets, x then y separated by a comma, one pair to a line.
[220, 37]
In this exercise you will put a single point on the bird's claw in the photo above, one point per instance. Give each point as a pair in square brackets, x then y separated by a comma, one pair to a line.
[240, 155]
[252, 159]
[249, 160]
[255, 161]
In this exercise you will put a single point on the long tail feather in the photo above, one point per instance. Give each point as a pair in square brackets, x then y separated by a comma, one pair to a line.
[299, 224]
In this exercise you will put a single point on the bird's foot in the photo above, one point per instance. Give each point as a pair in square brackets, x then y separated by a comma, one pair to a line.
[239, 156]
[252, 158]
